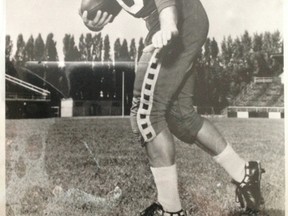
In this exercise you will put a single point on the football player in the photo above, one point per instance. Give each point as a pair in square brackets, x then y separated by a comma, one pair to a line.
[163, 105]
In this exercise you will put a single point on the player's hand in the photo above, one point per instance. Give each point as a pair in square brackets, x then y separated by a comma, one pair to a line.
[163, 37]
[97, 24]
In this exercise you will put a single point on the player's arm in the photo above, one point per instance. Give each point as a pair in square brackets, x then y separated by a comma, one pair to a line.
[168, 17]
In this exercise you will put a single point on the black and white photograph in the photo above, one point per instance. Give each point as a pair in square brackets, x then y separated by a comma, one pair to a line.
[143, 108]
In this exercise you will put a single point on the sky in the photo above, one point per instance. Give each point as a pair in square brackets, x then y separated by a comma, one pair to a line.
[227, 17]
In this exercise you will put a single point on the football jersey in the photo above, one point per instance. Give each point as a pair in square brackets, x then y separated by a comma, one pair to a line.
[143, 8]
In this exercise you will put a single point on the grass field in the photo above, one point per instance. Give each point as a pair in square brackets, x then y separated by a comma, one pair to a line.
[50, 171]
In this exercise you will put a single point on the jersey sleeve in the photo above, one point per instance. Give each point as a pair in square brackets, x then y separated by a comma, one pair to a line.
[161, 4]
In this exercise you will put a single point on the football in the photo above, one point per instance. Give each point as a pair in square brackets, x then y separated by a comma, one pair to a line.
[92, 6]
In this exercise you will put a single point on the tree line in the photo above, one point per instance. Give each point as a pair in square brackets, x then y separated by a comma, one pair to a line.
[90, 47]
[221, 69]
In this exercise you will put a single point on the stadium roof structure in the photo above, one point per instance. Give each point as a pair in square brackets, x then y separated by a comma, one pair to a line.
[92, 64]
[278, 57]
[42, 94]
[58, 73]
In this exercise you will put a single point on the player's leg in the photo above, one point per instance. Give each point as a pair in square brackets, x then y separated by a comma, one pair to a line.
[246, 175]
[161, 149]
[160, 83]
[153, 94]
[161, 155]
[211, 140]
[189, 127]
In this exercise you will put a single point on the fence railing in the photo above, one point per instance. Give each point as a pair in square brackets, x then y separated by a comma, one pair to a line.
[266, 79]
[254, 109]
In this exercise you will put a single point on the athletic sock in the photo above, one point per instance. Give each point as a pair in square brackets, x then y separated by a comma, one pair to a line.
[232, 163]
[167, 187]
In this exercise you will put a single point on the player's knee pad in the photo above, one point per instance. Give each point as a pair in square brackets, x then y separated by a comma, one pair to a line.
[184, 127]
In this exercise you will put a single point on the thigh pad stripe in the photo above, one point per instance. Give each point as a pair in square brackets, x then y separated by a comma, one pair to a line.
[146, 101]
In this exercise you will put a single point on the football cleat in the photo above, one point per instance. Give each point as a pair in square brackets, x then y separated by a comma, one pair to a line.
[157, 210]
[248, 192]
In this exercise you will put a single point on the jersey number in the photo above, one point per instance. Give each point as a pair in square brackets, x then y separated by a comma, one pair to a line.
[132, 6]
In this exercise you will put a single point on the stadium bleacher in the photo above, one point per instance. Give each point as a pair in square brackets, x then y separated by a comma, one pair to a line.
[263, 97]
